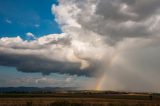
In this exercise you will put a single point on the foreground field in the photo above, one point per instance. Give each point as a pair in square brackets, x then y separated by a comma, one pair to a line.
[79, 99]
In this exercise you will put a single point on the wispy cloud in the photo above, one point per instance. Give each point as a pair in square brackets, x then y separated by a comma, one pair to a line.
[30, 35]
[37, 25]
[8, 21]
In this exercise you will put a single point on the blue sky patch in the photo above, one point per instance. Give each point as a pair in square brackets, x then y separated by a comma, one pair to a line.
[17, 17]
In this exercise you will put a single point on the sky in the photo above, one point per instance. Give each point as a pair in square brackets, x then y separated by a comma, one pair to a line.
[87, 44]
[18, 17]
[31, 19]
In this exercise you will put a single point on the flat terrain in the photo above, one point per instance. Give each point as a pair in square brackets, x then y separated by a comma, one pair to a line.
[79, 99]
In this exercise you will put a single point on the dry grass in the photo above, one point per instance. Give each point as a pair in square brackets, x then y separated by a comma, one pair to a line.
[67, 99]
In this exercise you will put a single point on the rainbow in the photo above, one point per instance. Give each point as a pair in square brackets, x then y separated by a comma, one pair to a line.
[100, 82]
[103, 78]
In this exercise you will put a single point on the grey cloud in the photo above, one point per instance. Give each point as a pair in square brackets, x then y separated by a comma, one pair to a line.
[48, 54]
[141, 9]
[114, 38]
[118, 19]
[110, 10]
[145, 8]
[31, 64]
[134, 66]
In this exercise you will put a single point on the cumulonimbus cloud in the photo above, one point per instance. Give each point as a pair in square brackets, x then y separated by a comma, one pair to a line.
[49, 54]
[116, 38]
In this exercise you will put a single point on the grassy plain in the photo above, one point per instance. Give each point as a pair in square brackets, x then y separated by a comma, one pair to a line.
[80, 98]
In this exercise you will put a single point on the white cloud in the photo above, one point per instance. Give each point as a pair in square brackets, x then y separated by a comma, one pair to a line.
[30, 35]
[100, 38]
[37, 25]
[49, 53]
[8, 21]
[69, 79]
[124, 32]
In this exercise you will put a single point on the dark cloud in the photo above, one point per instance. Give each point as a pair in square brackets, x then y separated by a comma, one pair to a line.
[31, 63]
[124, 10]
[119, 19]
[112, 37]
[48, 54]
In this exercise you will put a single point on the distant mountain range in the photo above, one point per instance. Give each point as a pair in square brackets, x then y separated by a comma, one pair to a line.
[34, 89]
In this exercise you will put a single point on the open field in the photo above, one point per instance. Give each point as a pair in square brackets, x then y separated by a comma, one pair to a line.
[79, 99]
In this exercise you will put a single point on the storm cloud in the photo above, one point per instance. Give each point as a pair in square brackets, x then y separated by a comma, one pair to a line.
[114, 19]
[48, 54]
[118, 39]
